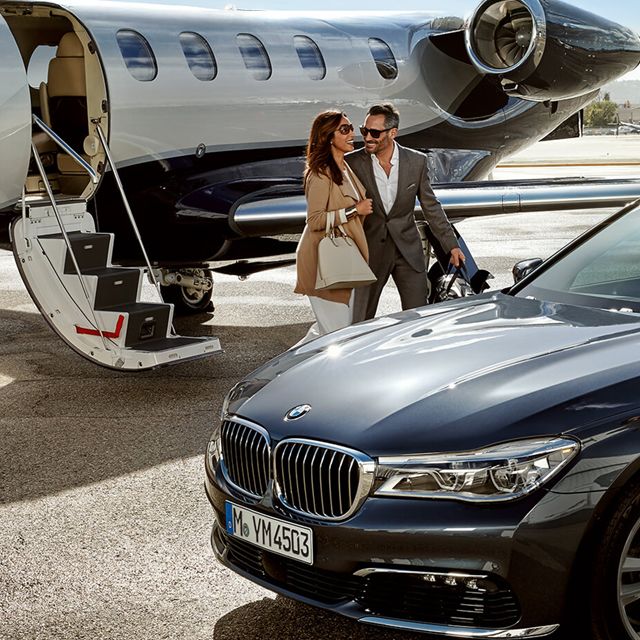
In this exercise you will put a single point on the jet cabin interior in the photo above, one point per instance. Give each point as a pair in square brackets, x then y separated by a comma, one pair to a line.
[70, 97]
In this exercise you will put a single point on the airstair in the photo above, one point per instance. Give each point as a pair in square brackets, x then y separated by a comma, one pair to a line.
[92, 304]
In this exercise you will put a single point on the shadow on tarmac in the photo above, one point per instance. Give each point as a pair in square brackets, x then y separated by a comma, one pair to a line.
[66, 422]
[286, 619]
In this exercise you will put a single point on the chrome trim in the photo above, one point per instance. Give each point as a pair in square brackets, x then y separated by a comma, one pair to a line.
[536, 46]
[481, 201]
[127, 207]
[464, 202]
[367, 571]
[304, 408]
[67, 241]
[366, 474]
[461, 632]
[235, 459]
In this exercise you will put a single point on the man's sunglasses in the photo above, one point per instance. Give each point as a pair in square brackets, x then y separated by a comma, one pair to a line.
[375, 133]
[345, 128]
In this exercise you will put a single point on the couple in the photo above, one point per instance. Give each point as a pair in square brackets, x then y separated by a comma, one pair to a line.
[372, 193]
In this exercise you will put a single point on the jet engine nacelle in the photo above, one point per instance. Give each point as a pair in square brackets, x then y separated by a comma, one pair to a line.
[547, 50]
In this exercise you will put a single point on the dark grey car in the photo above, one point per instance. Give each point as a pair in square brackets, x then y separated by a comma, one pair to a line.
[469, 469]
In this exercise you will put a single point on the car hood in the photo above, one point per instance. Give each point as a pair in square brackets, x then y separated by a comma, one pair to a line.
[449, 377]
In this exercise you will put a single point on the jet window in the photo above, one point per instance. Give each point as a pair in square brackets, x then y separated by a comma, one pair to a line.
[255, 56]
[199, 56]
[384, 59]
[39, 63]
[310, 57]
[137, 55]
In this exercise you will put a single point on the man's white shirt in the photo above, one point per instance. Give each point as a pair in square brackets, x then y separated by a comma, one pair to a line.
[387, 185]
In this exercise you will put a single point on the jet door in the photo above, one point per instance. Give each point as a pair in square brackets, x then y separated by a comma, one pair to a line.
[15, 119]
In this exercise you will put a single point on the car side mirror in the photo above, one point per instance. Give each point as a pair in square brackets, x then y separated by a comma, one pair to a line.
[523, 268]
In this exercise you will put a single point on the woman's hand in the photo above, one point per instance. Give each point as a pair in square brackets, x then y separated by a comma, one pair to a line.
[365, 207]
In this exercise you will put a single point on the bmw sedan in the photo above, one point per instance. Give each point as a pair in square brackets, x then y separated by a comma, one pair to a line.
[467, 469]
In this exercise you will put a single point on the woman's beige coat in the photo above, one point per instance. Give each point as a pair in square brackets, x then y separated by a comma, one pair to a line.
[323, 196]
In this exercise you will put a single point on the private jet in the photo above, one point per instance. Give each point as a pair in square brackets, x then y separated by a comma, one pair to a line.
[160, 141]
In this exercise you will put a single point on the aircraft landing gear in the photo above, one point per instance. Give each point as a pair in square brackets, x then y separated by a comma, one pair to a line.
[190, 290]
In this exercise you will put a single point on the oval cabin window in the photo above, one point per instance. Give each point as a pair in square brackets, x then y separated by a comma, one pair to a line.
[310, 57]
[255, 56]
[199, 56]
[384, 59]
[137, 55]
[39, 64]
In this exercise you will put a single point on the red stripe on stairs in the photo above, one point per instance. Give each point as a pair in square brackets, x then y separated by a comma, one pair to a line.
[106, 334]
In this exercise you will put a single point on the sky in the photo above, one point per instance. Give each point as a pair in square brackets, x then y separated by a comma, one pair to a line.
[626, 12]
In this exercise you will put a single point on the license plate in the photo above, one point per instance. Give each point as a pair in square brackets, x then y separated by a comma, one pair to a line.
[284, 538]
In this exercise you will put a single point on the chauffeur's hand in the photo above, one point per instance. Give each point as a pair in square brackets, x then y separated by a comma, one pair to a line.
[457, 257]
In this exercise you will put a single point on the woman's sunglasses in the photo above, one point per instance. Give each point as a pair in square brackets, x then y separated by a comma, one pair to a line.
[345, 128]
[375, 133]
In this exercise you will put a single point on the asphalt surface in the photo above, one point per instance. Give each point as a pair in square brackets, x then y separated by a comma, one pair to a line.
[104, 524]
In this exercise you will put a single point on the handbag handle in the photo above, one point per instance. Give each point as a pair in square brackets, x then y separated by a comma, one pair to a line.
[330, 230]
[347, 173]
[329, 223]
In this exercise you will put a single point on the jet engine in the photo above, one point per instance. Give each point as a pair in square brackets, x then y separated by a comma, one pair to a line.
[548, 50]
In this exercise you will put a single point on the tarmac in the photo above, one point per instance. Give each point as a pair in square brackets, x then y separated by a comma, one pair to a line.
[104, 523]
[589, 156]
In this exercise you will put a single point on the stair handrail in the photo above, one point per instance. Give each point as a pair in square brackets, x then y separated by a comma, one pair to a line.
[49, 190]
[125, 202]
[67, 149]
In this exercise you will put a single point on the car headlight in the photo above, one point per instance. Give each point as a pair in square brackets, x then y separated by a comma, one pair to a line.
[496, 473]
[214, 450]
[225, 406]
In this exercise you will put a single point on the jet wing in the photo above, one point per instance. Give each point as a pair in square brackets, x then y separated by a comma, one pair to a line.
[271, 213]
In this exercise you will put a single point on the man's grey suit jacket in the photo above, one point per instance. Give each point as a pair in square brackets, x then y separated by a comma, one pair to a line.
[399, 224]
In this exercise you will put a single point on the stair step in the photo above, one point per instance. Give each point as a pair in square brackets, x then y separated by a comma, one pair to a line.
[115, 286]
[135, 335]
[90, 249]
[167, 344]
[147, 322]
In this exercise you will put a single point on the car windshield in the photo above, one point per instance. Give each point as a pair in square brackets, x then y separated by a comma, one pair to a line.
[603, 271]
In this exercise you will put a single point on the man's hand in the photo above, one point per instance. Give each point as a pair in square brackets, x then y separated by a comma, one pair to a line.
[457, 257]
[365, 207]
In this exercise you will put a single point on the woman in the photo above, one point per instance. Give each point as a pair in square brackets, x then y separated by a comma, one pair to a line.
[331, 188]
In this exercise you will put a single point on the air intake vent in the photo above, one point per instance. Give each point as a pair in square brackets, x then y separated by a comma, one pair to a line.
[321, 480]
[246, 453]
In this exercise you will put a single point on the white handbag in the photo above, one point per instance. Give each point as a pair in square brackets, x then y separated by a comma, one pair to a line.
[340, 263]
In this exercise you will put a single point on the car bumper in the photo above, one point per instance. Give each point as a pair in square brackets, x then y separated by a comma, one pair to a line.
[447, 568]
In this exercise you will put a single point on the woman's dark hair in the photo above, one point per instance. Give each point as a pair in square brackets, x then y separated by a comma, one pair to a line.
[319, 157]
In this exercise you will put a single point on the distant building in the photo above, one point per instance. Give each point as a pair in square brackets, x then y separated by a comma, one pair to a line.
[629, 112]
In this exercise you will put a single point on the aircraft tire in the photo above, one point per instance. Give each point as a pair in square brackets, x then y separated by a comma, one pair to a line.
[189, 301]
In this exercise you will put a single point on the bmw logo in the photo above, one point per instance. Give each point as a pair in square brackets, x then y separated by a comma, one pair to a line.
[297, 412]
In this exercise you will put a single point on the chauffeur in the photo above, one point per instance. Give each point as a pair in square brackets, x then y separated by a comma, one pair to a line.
[393, 176]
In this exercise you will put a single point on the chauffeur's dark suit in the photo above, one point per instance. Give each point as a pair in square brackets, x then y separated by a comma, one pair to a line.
[395, 248]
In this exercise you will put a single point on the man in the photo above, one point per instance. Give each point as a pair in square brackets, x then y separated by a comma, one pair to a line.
[393, 177]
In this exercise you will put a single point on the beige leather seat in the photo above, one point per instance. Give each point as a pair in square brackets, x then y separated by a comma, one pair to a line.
[67, 98]
[66, 71]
